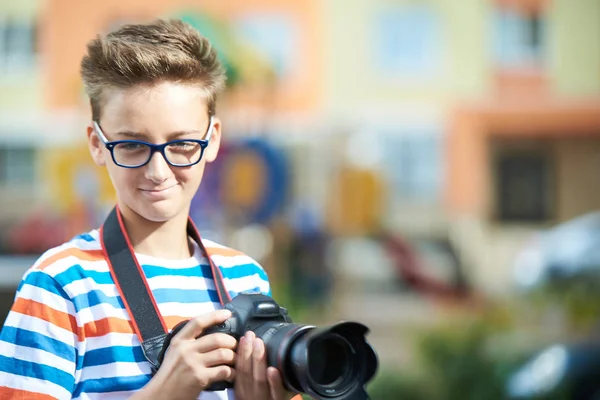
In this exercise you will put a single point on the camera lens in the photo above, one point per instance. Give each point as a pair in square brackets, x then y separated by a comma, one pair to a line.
[328, 363]
[329, 359]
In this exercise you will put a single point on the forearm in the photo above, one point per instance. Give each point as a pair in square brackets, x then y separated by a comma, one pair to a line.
[151, 391]
[158, 390]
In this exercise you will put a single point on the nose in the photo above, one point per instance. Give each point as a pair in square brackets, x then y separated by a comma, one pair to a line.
[157, 169]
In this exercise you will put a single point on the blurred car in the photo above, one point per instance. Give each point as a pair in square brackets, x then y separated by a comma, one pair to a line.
[567, 253]
[561, 258]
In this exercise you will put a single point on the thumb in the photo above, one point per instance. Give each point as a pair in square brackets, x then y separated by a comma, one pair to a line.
[197, 325]
[277, 389]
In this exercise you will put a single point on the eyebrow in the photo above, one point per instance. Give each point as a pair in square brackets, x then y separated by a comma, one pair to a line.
[170, 136]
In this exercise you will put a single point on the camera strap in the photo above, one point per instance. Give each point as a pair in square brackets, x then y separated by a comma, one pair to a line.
[131, 283]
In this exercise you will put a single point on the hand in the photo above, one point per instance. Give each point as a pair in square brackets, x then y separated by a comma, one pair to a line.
[190, 365]
[253, 380]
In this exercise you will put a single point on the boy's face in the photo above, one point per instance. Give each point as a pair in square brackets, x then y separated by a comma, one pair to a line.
[156, 114]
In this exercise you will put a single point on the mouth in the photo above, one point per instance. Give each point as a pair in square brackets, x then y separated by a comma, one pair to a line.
[158, 190]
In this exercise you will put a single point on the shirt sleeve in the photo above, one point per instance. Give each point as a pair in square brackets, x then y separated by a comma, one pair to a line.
[38, 341]
[262, 279]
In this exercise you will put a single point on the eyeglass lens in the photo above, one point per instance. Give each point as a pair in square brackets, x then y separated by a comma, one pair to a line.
[178, 153]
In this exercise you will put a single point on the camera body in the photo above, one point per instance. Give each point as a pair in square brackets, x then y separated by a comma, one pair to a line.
[249, 311]
[333, 362]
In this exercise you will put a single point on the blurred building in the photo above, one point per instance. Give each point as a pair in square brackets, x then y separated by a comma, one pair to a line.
[477, 120]
[51, 190]
[44, 111]
[526, 154]
[20, 79]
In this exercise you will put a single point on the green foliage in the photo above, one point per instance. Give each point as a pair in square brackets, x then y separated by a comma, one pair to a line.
[578, 300]
[392, 385]
[462, 359]
[461, 364]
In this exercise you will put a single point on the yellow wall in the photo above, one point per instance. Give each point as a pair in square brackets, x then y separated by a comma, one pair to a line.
[20, 8]
[575, 47]
[20, 92]
[351, 79]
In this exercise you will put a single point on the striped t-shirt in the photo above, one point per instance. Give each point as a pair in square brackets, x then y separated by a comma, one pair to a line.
[68, 334]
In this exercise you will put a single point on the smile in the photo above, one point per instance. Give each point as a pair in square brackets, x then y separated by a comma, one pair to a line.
[157, 192]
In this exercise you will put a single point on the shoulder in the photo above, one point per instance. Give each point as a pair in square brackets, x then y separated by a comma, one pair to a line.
[239, 267]
[80, 249]
[44, 291]
[227, 257]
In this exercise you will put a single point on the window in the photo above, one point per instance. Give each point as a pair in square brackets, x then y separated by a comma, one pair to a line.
[519, 38]
[414, 165]
[408, 41]
[17, 165]
[523, 187]
[18, 46]
[274, 36]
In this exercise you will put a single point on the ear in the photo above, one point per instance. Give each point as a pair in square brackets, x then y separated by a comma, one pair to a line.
[96, 147]
[210, 154]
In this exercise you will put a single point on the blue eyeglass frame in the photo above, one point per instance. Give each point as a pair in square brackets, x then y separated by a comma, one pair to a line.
[110, 145]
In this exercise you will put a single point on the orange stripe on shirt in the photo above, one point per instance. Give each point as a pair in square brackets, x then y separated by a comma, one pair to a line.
[18, 394]
[173, 320]
[85, 255]
[118, 325]
[223, 251]
[36, 309]
[105, 326]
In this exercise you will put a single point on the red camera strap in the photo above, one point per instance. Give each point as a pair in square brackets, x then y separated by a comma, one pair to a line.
[131, 283]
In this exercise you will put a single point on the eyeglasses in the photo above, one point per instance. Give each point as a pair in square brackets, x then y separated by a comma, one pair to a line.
[137, 153]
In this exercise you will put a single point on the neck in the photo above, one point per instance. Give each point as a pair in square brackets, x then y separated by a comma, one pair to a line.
[167, 240]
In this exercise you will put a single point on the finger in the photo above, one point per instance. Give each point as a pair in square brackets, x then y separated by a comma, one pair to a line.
[243, 367]
[243, 364]
[278, 391]
[214, 341]
[218, 357]
[197, 325]
[259, 365]
[219, 373]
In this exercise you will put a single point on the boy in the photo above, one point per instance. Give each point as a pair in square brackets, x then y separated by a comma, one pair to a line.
[68, 334]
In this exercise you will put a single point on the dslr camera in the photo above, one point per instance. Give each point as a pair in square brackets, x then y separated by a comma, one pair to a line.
[333, 362]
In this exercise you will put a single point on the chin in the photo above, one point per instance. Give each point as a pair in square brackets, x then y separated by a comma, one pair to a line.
[159, 211]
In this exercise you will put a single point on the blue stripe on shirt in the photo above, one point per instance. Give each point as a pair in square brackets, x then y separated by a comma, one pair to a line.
[44, 281]
[76, 273]
[97, 297]
[106, 385]
[85, 236]
[37, 341]
[243, 271]
[113, 354]
[238, 271]
[153, 271]
[39, 371]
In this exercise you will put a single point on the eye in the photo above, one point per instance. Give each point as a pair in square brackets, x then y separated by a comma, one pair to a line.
[131, 146]
[184, 146]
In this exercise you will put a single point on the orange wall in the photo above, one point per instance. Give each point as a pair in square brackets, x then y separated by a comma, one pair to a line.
[68, 25]
[468, 183]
